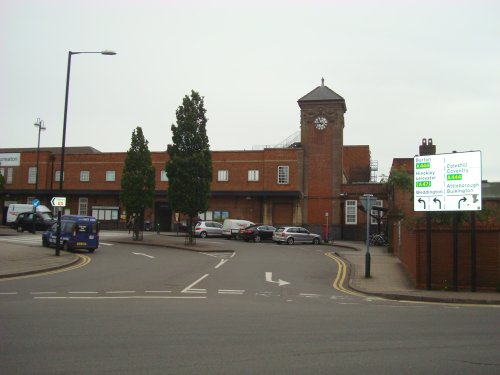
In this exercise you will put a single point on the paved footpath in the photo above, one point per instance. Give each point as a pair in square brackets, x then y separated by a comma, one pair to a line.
[388, 278]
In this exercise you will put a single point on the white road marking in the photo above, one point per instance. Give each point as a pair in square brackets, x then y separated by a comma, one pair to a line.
[120, 292]
[222, 261]
[127, 297]
[146, 255]
[231, 291]
[8, 293]
[43, 292]
[189, 289]
[269, 279]
[309, 295]
[157, 291]
[83, 292]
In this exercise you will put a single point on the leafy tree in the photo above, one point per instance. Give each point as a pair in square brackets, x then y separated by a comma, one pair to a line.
[138, 179]
[189, 169]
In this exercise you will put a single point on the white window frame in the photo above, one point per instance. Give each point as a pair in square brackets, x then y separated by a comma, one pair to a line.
[57, 176]
[222, 175]
[83, 206]
[163, 176]
[351, 212]
[110, 176]
[10, 174]
[378, 203]
[253, 175]
[283, 175]
[84, 176]
[32, 175]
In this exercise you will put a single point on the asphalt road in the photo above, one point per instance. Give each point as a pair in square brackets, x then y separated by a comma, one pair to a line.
[263, 309]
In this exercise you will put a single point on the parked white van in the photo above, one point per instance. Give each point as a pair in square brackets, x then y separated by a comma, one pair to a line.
[15, 209]
[231, 228]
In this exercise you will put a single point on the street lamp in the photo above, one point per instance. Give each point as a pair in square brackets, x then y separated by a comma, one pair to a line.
[61, 171]
[40, 125]
[70, 53]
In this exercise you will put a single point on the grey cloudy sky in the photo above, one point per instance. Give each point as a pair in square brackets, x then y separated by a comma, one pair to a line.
[407, 69]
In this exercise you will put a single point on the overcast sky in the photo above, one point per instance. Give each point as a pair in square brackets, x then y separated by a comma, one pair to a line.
[407, 69]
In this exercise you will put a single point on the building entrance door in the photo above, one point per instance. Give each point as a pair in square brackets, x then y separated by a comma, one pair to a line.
[163, 216]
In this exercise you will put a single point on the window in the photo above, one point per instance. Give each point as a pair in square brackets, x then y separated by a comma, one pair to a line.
[374, 213]
[29, 200]
[83, 205]
[105, 213]
[163, 176]
[58, 176]
[110, 176]
[10, 172]
[2, 172]
[32, 175]
[253, 175]
[84, 176]
[283, 172]
[351, 212]
[223, 175]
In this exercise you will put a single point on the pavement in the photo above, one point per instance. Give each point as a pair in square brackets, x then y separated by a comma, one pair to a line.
[387, 276]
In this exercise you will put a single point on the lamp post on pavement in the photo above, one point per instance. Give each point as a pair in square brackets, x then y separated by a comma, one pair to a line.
[61, 171]
[40, 125]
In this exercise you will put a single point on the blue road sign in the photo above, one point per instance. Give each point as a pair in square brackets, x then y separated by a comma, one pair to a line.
[36, 203]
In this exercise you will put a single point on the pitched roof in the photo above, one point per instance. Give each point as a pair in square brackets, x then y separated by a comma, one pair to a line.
[322, 93]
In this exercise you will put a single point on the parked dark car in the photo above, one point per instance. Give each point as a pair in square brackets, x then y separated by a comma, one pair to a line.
[33, 221]
[257, 233]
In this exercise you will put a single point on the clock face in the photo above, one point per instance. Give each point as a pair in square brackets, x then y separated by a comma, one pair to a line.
[320, 123]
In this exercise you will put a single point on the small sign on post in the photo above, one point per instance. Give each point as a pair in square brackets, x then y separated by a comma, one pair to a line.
[58, 202]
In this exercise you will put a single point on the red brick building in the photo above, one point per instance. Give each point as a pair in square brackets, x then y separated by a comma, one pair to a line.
[308, 182]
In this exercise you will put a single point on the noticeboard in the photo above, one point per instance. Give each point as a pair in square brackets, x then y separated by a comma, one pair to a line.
[448, 182]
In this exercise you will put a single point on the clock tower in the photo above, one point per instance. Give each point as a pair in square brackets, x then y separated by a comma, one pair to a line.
[322, 131]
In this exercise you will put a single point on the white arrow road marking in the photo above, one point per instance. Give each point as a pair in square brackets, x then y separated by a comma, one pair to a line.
[269, 279]
[190, 289]
[146, 255]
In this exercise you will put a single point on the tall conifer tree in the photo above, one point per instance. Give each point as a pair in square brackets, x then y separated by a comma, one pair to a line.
[138, 179]
[189, 169]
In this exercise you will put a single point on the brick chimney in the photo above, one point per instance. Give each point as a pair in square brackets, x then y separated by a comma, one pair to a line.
[427, 148]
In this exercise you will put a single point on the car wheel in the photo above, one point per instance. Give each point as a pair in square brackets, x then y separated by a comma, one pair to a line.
[66, 247]
[45, 243]
[203, 234]
[290, 241]
[256, 238]
[91, 250]
[316, 241]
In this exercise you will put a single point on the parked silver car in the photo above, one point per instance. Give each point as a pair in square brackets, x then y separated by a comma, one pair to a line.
[205, 229]
[290, 235]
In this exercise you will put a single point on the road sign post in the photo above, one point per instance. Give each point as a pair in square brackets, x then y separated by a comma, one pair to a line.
[58, 202]
[368, 200]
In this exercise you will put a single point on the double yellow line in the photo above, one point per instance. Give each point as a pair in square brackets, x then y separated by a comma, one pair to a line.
[84, 260]
[339, 281]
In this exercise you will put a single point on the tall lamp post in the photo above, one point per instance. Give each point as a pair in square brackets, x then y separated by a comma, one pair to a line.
[40, 125]
[61, 171]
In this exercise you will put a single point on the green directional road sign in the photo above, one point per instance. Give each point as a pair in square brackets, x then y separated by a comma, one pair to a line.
[448, 182]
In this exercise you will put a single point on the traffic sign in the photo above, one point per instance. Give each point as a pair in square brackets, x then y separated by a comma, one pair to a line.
[448, 182]
[35, 203]
[58, 201]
